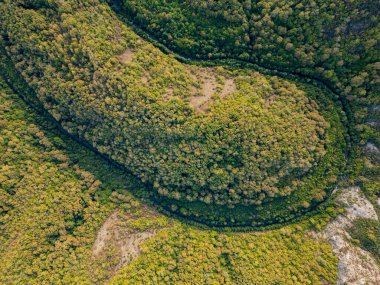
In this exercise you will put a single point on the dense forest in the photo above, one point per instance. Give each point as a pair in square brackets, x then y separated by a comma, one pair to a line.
[231, 138]
[333, 40]
[187, 142]
[336, 42]
[55, 194]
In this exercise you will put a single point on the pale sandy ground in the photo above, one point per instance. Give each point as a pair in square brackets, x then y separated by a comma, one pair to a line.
[356, 266]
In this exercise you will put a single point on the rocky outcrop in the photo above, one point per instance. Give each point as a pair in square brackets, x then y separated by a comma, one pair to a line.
[355, 266]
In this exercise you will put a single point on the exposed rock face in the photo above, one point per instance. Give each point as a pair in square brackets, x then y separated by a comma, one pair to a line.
[355, 266]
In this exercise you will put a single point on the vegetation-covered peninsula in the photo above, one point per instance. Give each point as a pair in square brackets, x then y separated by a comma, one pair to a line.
[189, 142]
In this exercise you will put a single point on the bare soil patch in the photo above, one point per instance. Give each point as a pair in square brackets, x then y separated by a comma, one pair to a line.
[114, 236]
[207, 79]
[127, 56]
[228, 88]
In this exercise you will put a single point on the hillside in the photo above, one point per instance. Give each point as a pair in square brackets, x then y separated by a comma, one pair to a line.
[230, 138]
[55, 195]
[189, 142]
[335, 42]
